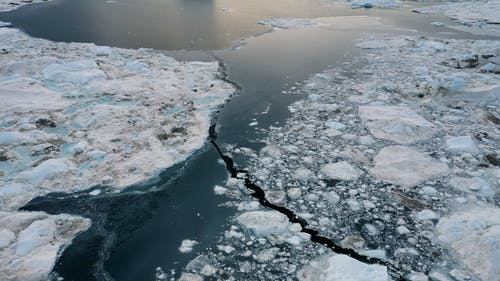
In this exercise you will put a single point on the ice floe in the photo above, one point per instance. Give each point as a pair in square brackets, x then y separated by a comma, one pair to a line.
[474, 236]
[9, 5]
[334, 267]
[406, 166]
[31, 242]
[480, 17]
[78, 115]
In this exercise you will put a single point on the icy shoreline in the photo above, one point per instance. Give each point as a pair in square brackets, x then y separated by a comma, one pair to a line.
[78, 115]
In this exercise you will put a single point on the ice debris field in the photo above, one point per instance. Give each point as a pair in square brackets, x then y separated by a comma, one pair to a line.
[398, 163]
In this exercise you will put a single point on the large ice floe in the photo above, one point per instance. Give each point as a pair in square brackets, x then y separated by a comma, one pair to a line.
[397, 161]
[77, 115]
[30, 243]
[480, 17]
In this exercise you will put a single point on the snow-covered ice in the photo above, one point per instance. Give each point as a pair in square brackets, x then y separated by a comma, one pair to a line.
[9, 5]
[396, 123]
[340, 171]
[334, 267]
[406, 166]
[481, 17]
[187, 246]
[375, 3]
[77, 115]
[31, 242]
[474, 236]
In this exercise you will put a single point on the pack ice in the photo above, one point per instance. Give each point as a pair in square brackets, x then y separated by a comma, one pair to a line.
[77, 115]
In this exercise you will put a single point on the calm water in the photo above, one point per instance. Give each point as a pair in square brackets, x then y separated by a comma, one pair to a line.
[140, 229]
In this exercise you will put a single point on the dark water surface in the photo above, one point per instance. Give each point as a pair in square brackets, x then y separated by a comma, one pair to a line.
[141, 228]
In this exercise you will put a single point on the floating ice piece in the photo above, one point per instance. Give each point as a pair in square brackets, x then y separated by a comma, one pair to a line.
[406, 166]
[396, 123]
[302, 174]
[490, 67]
[341, 171]
[335, 125]
[289, 23]
[375, 3]
[474, 237]
[185, 276]
[187, 246]
[263, 223]
[334, 267]
[474, 184]
[30, 242]
[427, 215]
[462, 144]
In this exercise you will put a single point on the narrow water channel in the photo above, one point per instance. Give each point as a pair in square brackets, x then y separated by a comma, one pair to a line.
[140, 229]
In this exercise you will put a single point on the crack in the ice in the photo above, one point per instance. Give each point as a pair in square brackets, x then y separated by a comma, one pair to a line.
[260, 194]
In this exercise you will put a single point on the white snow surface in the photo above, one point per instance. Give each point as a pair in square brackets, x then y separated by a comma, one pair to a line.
[76, 115]
[333, 267]
[474, 236]
[31, 242]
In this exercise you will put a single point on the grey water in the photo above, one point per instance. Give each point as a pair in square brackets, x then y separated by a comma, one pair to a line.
[141, 228]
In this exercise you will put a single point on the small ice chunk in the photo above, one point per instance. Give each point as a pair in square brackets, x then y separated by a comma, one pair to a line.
[427, 215]
[294, 193]
[187, 246]
[462, 144]
[340, 171]
[95, 192]
[97, 154]
[335, 125]
[263, 223]
[219, 190]
[302, 174]
[402, 230]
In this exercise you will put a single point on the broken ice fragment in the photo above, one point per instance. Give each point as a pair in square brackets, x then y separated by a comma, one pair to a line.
[340, 171]
[406, 166]
[334, 267]
[187, 246]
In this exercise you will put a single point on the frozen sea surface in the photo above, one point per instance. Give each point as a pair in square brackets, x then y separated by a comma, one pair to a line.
[79, 115]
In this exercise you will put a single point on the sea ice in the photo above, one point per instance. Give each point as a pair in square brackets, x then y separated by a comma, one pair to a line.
[187, 246]
[97, 115]
[406, 166]
[474, 237]
[375, 3]
[396, 123]
[333, 267]
[340, 171]
[462, 144]
[263, 223]
[31, 242]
